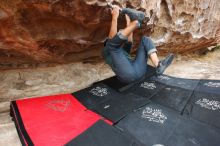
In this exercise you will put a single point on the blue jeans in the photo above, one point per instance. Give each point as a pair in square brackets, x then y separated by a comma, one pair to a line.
[128, 70]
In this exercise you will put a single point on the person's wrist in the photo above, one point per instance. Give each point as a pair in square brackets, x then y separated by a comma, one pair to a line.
[114, 17]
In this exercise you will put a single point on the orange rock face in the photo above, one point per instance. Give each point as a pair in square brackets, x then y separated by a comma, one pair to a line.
[62, 31]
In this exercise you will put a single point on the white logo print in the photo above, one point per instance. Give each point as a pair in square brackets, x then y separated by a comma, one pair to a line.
[161, 77]
[59, 105]
[106, 106]
[154, 115]
[98, 91]
[209, 104]
[180, 83]
[147, 85]
[212, 84]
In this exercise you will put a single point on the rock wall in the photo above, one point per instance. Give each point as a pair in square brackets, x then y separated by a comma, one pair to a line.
[34, 32]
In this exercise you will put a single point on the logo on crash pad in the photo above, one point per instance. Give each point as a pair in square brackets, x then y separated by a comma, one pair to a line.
[154, 115]
[148, 85]
[161, 77]
[99, 91]
[209, 104]
[59, 105]
[212, 84]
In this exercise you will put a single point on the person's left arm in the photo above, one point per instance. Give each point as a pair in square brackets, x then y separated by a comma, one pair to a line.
[128, 44]
[113, 29]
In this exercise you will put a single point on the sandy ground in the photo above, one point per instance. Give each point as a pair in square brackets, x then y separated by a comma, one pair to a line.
[15, 84]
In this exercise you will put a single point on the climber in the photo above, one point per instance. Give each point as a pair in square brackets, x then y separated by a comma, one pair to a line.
[118, 46]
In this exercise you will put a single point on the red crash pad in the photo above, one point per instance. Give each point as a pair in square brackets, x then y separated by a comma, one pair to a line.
[51, 120]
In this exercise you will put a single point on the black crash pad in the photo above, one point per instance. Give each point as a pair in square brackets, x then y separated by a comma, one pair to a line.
[205, 107]
[108, 102]
[155, 124]
[147, 88]
[209, 86]
[190, 132]
[116, 109]
[151, 124]
[189, 84]
[117, 85]
[95, 94]
[102, 134]
[173, 97]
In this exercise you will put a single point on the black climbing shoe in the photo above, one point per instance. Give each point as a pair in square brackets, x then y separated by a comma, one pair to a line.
[135, 15]
[164, 64]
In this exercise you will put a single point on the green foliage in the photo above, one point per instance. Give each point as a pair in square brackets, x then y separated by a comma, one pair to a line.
[217, 48]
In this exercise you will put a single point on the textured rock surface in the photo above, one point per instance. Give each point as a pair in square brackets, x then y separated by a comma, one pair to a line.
[61, 31]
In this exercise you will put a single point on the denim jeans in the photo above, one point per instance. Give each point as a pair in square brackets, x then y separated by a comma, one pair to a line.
[126, 69]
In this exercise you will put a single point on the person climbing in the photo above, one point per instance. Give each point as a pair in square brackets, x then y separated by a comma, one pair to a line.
[117, 47]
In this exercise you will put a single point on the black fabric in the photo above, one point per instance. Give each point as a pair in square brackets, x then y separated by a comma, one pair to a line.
[205, 107]
[189, 84]
[102, 134]
[173, 97]
[22, 133]
[150, 71]
[116, 84]
[146, 88]
[209, 86]
[116, 109]
[193, 133]
[155, 124]
[151, 125]
[96, 94]
[112, 105]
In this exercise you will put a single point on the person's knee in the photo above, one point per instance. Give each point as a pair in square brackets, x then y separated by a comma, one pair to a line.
[146, 39]
[116, 41]
[149, 45]
[133, 77]
[129, 77]
[121, 36]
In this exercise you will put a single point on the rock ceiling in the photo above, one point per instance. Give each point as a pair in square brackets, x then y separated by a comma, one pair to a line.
[62, 31]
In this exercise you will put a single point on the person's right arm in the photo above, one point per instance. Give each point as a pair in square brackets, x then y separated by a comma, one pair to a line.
[128, 44]
[128, 21]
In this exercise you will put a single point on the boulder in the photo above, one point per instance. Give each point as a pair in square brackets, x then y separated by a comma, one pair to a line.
[34, 32]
